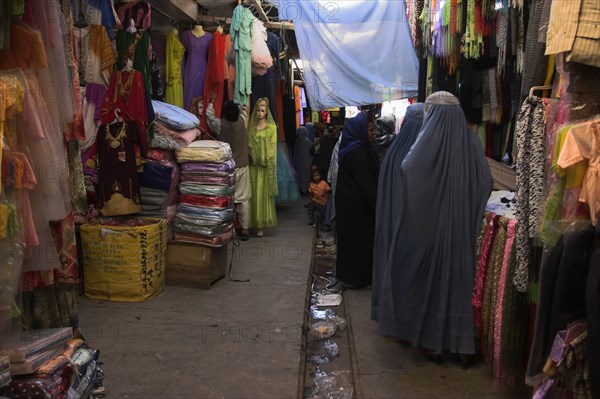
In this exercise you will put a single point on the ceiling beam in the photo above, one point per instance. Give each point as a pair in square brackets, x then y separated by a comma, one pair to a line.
[263, 17]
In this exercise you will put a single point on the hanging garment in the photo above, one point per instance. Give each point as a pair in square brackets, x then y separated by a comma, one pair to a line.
[530, 133]
[241, 38]
[287, 182]
[95, 55]
[135, 46]
[117, 162]
[592, 303]
[138, 10]
[355, 202]
[582, 142]
[194, 69]
[445, 177]
[562, 295]
[573, 28]
[215, 80]
[127, 97]
[388, 208]
[175, 52]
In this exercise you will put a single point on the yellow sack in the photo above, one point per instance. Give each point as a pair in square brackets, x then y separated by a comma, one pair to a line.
[122, 263]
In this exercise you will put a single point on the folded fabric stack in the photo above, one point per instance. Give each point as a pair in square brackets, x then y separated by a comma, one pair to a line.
[158, 185]
[206, 209]
[174, 127]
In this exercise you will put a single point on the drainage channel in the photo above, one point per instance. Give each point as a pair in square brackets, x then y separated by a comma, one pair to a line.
[330, 362]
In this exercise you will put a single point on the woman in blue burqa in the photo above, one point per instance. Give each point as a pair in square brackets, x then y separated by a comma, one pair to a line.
[427, 279]
[388, 209]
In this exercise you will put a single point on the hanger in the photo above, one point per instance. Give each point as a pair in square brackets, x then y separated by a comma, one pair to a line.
[534, 88]
[118, 118]
[131, 28]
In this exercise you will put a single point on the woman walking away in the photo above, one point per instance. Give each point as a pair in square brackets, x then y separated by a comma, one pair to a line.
[388, 210]
[355, 201]
[445, 182]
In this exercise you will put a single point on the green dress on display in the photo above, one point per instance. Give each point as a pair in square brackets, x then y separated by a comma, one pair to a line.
[262, 144]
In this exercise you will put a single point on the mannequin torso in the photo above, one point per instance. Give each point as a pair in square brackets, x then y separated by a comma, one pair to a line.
[198, 31]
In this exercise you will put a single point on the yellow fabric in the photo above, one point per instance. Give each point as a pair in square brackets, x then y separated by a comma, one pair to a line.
[11, 102]
[582, 143]
[103, 50]
[175, 51]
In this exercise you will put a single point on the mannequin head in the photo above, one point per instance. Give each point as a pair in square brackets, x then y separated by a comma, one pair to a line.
[262, 111]
[197, 106]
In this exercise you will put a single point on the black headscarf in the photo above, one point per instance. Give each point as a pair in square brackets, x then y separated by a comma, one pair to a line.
[445, 183]
[356, 134]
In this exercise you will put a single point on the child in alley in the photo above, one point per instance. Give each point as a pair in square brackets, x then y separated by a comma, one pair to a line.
[319, 195]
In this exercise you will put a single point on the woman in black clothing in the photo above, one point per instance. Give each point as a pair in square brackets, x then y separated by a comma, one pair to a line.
[355, 201]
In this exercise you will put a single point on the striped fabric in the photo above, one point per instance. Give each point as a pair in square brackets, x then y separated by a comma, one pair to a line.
[575, 26]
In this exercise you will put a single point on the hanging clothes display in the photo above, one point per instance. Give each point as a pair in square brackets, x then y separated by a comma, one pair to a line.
[530, 131]
[95, 55]
[117, 162]
[175, 53]
[126, 98]
[215, 78]
[134, 46]
[194, 69]
[241, 42]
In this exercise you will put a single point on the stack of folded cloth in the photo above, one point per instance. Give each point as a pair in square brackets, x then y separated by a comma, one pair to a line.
[206, 207]
[158, 185]
[174, 127]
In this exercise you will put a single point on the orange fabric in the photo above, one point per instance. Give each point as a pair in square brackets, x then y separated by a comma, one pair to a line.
[319, 192]
[583, 143]
[26, 49]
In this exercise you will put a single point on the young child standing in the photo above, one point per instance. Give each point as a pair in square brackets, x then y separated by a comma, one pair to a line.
[319, 195]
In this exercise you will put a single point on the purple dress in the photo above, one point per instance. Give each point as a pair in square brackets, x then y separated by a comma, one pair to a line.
[194, 68]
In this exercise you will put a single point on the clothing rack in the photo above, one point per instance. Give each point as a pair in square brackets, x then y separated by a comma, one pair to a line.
[535, 88]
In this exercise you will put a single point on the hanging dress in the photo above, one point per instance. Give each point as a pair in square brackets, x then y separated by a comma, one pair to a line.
[175, 52]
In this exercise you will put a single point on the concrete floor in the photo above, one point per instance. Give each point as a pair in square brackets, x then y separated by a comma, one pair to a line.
[244, 339]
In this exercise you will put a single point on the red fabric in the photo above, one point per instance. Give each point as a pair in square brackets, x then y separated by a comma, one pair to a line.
[481, 272]
[215, 76]
[132, 108]
[63, 233]
[205, 200]
[218, 241]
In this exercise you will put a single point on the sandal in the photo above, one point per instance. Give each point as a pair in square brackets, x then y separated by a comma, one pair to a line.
[244, 235]
[260, 233]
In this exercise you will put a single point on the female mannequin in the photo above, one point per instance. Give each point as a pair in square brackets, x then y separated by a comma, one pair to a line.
[198, 31]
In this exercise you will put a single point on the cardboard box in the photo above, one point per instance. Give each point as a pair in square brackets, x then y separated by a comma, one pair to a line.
[195, 266]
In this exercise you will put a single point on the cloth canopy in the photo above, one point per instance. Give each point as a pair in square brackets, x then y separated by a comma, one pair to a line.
[353, 52]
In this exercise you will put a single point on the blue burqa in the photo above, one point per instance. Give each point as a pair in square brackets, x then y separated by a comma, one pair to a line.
[428, 278]
[388, 207]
